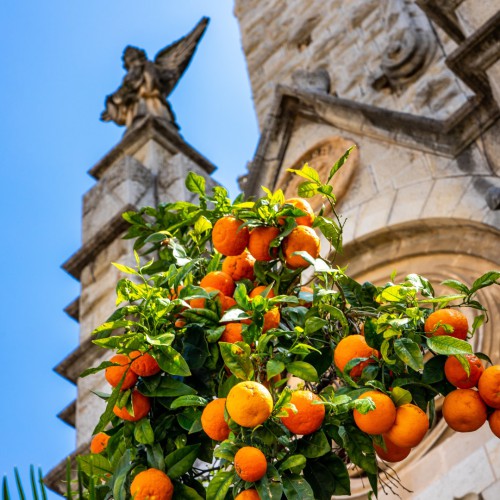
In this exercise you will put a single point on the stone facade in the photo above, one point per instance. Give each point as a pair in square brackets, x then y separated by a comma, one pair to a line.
[413, 85]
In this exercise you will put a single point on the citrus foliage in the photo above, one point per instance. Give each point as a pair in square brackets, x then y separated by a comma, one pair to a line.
[284, 329]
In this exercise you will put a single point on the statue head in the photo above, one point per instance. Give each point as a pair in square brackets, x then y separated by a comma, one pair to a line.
[133, 56]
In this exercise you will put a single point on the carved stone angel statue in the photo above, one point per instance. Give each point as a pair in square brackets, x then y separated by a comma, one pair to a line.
[147, 84]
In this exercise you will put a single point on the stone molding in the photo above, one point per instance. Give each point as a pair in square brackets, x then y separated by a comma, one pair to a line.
[88, 252]
[78, 360]
[68, 414]
[444, 137]
[73, 309]
[442, 12]
[150, 129]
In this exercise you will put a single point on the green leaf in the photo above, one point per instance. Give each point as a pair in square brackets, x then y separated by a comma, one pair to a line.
[307, 173]
[293, 462]
[274, 368]
[456, 285]
[270, 487]
[400, 396]
[120, 476]
[307, 189]
[314, 445]
[172, 362]
[337, 314]
[167, 388]
[395, 293]
[434, 370]
[303, 370]
[94, 464]
[314, 324]
[202, 225]
[102, 366]
[113, 325]
[295, 487]
[485, 280]
[445, 344]
[188, 401]
[409, 353]
[125, 269]
[180, 461]
[108, 412]
[220, 484]
[339, 163]
[237, 359]
[195, 183]
[328, 477]
[143, 432]
[183, 492]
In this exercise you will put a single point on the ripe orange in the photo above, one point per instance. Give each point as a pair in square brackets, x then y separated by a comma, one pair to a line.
[260, 240]
[152, 484]
[212, 420]
[271, 319]
[232, 333]
[259, 290]
[239, 266]
[489, 386]
[379, 420]
[457, 376]
[114, 374]
[248, 495]
[494, 422]
[303, 220]
[229, 237]
[309, 416]
[464, 410]
[99, 442]
[220, 281]
[144, 365]
[302, 238]
[451, 317]
[392, 453]
[250, 464]
[179, 323]
[249, 403]
[226, 302]
[350, 347]
[140, 404]
[409, 428]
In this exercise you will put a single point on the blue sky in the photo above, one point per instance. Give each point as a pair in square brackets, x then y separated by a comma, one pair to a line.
[59, 60]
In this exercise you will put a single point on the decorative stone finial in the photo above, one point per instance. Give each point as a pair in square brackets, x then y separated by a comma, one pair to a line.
[147, 84]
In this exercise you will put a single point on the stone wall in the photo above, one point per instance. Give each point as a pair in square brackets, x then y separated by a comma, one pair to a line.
[351, 41]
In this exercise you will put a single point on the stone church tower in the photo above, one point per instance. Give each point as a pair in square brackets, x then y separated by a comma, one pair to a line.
[415, 85]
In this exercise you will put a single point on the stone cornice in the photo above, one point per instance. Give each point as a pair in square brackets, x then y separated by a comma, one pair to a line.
[150, 129]
[442, 12]
[446, 137]
[476, 55]
[78, 360]
[105, 236]
[68, 414]
[73, 309]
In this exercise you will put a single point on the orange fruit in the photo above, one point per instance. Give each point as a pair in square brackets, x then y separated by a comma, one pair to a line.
[271, 319]
[213, 422]
[99, 442]
[140, 404]
[392, 453]
[249, 403]
[350, 347]
[464, 410]
[457, 376]
[114, 374]
[248, 495]
[239, 267]
[259, 290]
[409, 428]
[302, 238]
[152, 484]
[494, 422]
[250, 464]
[451, 317]
[229, 237]
[226, 302]
[379, 420]
[144, 365]
[219, 280]
[179, 323]
[303, 220]
[489, 386]
[259, 243]
[232, 333]
[309, 416]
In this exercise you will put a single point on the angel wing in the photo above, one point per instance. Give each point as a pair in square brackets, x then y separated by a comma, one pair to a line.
[172, 61]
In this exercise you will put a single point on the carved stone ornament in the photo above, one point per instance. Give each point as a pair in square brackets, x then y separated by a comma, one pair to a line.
[322, 157]
[411, 47]
[147, 84]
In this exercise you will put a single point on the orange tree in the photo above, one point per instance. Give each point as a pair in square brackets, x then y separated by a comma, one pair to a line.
[270, 372]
